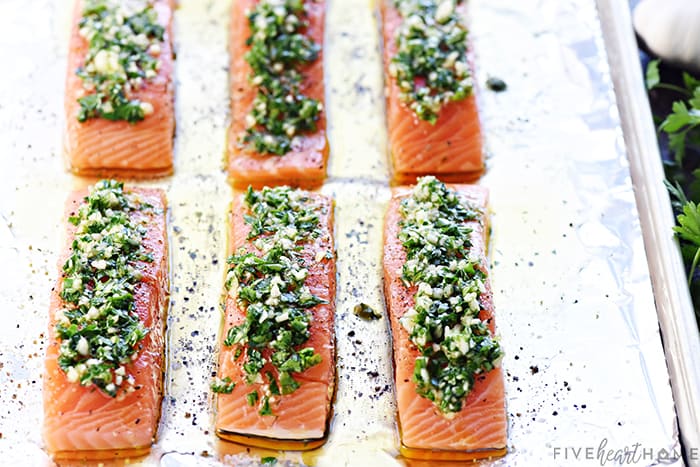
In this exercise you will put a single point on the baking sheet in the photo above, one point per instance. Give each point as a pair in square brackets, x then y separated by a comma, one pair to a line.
[586, 375]
[675, 308]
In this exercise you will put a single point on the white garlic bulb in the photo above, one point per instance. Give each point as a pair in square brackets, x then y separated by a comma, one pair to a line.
[671, 29]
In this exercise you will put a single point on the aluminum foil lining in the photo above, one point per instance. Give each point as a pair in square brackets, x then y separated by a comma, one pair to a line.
[585, 370]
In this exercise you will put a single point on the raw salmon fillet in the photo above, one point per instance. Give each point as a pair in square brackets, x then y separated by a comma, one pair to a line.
[81, 422]
[450, 149]
[479, 429]
[301, 418]
[104, 148]
[305, 165]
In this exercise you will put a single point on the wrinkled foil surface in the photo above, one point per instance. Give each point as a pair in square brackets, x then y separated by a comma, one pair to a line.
[585, 369]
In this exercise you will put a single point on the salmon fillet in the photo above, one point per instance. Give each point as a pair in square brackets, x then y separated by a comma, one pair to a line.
[305, 165]
[301, 418]
[103, 148]
[451, 148]
[478, 430]
[82, 422]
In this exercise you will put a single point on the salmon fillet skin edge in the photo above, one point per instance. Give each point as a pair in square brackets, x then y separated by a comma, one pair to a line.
[103, 148]
[479, 429]
[82, 422]
[300, 419]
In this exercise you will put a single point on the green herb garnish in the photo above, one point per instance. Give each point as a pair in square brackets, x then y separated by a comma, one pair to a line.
[223, 385]
[98, 327]
[455, 344]
[682, 125]
[278, 50]
[652, 77]
[269, 460]
[687, 228]
[124, 45]
[431, 65]
[265, 406]
[252, 398]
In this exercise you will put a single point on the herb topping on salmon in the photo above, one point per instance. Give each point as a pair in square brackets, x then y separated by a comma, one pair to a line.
[277, 134]
[444, 323]
[98, 326]
[431, 109]
[270, 288]
[430, 64]
[278, 49]
[124, 45]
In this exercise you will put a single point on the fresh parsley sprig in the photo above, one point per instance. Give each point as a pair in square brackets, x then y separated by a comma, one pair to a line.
[687, 228]
[682, 125]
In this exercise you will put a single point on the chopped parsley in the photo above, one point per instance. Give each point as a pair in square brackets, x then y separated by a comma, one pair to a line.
[278, 50]
[124, 44]
[223, 385]
[98, 327]
[455, 344]
[265, 406]
[252, 398]
[431, 65]
[269, 285]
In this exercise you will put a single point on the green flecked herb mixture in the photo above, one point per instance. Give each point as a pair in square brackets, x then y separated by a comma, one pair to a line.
[98, 327]
[223, 385]
[455, 344]
[431, 65]
[124, 45]
[269, 286]
[279, 49]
